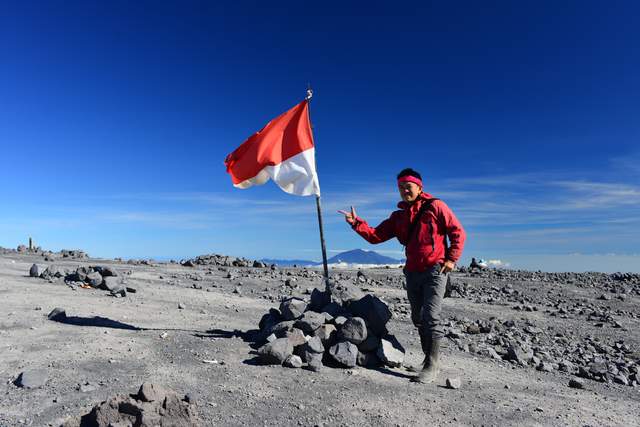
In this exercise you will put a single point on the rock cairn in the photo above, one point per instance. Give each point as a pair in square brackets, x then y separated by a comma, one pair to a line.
[153, 405]
[340, 328]
[100, 277]
[222, 261]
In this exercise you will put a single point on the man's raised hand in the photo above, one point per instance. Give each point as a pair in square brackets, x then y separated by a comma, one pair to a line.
[350, 217]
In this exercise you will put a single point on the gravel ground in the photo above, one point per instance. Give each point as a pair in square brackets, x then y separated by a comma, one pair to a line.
[188, 328]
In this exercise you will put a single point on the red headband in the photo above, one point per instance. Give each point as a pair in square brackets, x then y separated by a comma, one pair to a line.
[409, 178]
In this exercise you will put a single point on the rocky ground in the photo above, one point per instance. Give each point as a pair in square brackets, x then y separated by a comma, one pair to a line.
[528, 348]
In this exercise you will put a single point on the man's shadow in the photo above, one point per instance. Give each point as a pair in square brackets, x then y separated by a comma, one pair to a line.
[97, 321]
[105, 322]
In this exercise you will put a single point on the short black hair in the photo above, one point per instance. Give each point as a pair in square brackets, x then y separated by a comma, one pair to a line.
[409, 172]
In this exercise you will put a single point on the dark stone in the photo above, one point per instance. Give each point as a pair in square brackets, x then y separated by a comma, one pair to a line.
[36, 270]
[371, 344]
[292, 308]
[576, 383]
[58, 314]
[353, 330]
[94, 279]
[150, 392]
[343, 294]
[110, 283]
[318, 300]
[453, 383]
[276, 352]
[280, 329]
[327, 333]
[296, 337]
[519, 352]
[293, 361]
[310, 321]
[345, 353]
[374, 311]
[368, 360]
[54, 272]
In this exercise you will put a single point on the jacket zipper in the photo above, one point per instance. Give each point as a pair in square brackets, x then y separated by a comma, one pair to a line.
[433, 240]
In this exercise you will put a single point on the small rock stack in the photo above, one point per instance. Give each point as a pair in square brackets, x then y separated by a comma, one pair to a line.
[340, 328]
[154, 405]
[222, 261]
[105, 278]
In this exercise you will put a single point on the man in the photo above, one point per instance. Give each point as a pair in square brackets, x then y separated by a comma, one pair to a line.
[422, 224]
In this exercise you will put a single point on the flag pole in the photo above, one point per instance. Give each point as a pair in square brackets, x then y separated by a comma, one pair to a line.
[319, 209]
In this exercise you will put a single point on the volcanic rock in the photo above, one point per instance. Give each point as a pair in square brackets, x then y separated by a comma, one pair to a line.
[353, 330]
[374, 311]
[319, 299]
[150, 392]
[453, 383]
[276, 352]
[110, 283]
[36, 270]
[576, 383]
[345, 353]
[293, 361]
[343, 294]
[326, 333]
[33, 378]
[370, 344]
[58, 314]
[310, 321]
[296, 337]
[391, 351]
[292, 308]
[53, 271]
[312, 352]
[94, 279]
[368, 360]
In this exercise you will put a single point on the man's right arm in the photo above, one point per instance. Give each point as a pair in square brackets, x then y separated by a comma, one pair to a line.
[379, 234]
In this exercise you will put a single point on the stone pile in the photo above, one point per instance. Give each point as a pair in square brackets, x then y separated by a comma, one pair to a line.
[153, 405]
[222, 261]
[99, 277]
[523, 344]
[615, 283]
[342, 328]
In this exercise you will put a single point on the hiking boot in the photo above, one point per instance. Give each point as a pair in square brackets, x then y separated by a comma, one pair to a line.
[431, 366]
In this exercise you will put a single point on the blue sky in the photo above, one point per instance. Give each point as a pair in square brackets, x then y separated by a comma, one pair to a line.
[115, 119]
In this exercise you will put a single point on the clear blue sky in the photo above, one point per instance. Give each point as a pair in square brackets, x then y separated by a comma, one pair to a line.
[115, 119]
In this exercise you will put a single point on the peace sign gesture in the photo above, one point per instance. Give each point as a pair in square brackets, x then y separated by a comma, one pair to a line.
[349, 217]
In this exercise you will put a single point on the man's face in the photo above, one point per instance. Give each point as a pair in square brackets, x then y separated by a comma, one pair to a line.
[409, 191]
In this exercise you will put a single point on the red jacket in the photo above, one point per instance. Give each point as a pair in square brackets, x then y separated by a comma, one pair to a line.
[428, 245]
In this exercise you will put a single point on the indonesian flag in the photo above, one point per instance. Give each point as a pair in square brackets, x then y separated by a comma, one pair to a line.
[283, 151]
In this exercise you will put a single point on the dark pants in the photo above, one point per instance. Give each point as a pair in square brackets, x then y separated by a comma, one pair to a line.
[425, 291]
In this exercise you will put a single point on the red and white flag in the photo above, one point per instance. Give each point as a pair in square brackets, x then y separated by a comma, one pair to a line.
[282, 151]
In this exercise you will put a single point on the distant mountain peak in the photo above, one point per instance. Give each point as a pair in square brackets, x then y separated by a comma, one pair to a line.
[361, 256]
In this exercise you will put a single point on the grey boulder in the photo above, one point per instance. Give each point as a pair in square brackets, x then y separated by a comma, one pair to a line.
[36, 270]
[353, 330]
[292, 308]
[34, 378]
[276, 352]
[374, 311]
[345, 353]
[390, 352]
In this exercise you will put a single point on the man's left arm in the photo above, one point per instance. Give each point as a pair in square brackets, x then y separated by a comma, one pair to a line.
[456, 235]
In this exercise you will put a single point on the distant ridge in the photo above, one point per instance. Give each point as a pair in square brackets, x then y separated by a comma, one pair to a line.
[355, 256]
